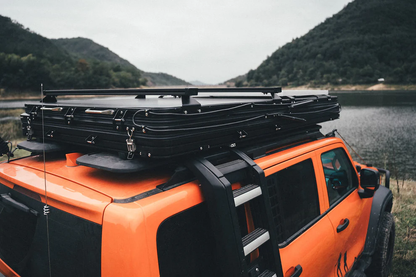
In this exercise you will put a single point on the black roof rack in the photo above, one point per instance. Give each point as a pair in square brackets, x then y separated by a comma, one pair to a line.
[184, 93]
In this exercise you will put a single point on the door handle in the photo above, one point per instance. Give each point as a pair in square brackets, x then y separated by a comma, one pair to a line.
[343, 225]
[298, 271]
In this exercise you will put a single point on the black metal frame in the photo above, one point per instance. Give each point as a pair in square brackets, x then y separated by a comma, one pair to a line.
[184, 93]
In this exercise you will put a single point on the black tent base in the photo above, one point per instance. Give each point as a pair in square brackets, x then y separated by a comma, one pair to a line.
[193, 121]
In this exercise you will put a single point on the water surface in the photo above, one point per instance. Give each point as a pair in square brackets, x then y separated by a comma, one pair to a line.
[381, 127]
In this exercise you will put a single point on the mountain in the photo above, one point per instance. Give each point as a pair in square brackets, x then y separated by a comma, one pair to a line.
[28, 59]
[16, 39]
[365, 41]
[83, 48]
[198, 83]
[163, 79]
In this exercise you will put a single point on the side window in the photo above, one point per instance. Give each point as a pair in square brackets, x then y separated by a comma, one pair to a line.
[186, 244]
[339, 173]
[294, 198]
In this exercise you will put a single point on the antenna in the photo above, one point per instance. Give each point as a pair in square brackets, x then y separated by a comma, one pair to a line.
[46, 207]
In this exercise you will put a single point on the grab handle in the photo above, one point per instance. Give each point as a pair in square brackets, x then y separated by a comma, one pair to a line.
[90, 111]
[54, 109]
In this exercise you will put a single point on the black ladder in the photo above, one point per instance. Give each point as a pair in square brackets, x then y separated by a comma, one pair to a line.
[228, 218]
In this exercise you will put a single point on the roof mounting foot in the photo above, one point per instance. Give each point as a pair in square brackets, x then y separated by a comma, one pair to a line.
[188, 101]
[49, 99]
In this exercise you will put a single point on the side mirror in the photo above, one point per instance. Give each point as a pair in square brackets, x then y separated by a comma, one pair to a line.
[370, 181]
[338, 180]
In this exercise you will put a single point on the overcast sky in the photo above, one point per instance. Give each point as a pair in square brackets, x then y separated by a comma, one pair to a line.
[210, 41]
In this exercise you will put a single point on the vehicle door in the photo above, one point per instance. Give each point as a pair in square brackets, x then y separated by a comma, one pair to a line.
[348, 213]
[305, 235]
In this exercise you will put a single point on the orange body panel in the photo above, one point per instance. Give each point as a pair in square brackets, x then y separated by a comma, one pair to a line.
[315, 244]
[356, 209]
[352, 239]
[129, 233]
[312, 250]
[321, 242]
[276, 158]
[116, 186]
[62, 193]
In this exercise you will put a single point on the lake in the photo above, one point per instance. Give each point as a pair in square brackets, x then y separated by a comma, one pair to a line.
[381, 127]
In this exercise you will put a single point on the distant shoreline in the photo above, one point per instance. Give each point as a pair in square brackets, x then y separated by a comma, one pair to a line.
[26, 95]
[354, 87]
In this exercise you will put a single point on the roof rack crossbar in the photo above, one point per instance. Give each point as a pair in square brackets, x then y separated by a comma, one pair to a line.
[130, 91]
[184, 93]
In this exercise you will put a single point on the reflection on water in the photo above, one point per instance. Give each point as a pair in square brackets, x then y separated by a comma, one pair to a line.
[381, 127]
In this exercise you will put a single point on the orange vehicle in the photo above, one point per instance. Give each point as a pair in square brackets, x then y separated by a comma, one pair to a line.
[298, 206]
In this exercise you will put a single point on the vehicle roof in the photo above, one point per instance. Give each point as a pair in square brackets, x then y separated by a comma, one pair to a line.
[116, 186]
[126, 185]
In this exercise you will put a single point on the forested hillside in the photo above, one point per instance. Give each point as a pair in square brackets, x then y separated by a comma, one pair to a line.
[83, 48]
[28, 59]
[163, 79]
[367, 40]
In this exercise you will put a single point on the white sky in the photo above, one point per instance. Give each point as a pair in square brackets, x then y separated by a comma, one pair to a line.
[210, 41]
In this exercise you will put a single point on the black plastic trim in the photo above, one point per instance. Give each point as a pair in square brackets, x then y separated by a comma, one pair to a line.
[138, 197]
[298, 271]
[382, 201]
[343, 226]
[387, 173]
[214, 188]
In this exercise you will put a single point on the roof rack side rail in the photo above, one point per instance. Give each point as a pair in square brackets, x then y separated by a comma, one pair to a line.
[272, 90]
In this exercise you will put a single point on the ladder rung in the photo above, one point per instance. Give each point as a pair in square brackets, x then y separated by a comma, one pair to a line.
[246, 193]
[267, 273]
[232, 166]
[254, 240]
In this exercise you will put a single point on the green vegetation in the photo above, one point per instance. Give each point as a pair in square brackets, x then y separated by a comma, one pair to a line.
[404, 210]
[367, 40]
[163, 79]
[11, 130]
[83, 48]
[28, 59]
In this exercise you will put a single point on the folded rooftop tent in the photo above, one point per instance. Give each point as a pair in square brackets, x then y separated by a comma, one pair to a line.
[166, 123]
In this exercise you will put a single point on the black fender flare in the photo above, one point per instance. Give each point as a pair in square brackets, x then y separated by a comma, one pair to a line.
[382, 201]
